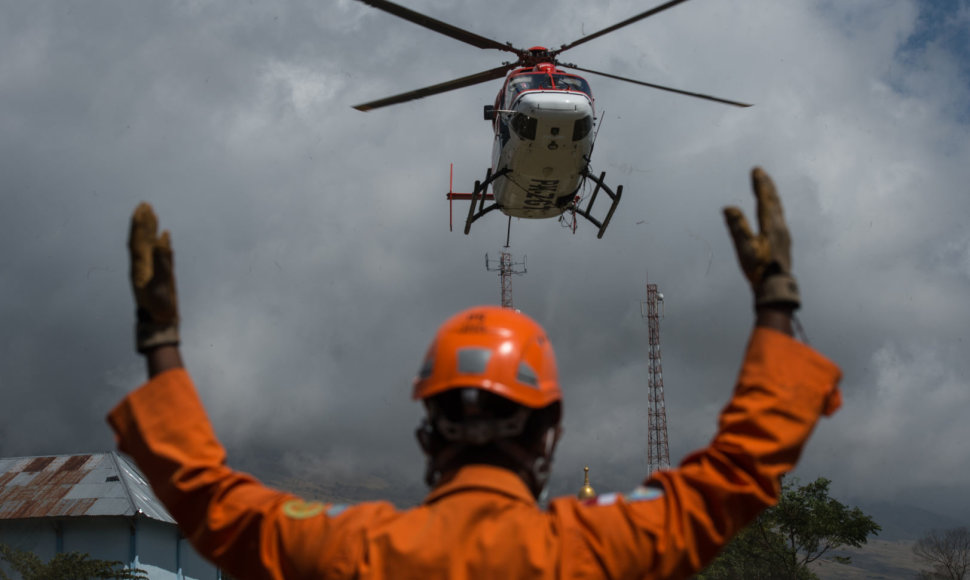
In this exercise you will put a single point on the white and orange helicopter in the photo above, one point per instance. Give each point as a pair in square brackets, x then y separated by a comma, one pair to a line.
[544, 121]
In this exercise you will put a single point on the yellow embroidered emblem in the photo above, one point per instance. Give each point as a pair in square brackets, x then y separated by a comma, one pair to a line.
[299, 509]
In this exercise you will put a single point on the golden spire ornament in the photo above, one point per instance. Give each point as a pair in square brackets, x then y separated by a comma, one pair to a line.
[587, 491]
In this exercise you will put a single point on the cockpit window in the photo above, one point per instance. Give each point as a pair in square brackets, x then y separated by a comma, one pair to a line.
[582, 127]
[572, 83]
[527, 82]
[536, 81]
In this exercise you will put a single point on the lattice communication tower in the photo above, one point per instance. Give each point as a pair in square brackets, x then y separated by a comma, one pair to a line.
[506, 268]
[658, 452]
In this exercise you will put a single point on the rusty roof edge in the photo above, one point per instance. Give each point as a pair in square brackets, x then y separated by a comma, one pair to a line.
[68, 489]
[124, 482]
[150, 507]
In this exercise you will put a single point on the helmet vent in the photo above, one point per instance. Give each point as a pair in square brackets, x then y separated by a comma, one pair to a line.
[473, 361]
[527, 375]
[426, 368]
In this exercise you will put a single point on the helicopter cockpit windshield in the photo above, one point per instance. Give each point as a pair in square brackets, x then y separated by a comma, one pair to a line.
[527, 82]
[538, 81]
[572, 83]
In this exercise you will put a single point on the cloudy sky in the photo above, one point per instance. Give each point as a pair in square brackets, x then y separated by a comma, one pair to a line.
[313, 254]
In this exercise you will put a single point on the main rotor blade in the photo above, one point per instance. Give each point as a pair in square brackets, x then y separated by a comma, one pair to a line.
[617, 26]
[438, 26]
[661, 87]
[468, 81]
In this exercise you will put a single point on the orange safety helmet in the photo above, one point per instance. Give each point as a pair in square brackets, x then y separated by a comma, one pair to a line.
[498, 350]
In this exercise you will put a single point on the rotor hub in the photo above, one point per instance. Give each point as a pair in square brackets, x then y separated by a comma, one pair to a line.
[536, 56]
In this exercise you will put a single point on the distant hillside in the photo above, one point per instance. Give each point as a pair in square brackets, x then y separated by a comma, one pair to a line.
[331, 487]
[879, 559]
[906, 522]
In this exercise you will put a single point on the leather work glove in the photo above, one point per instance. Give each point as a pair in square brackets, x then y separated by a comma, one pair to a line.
[152, 281]
[766, 257]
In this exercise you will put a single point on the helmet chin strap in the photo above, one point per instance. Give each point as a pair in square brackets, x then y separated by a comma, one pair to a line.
[534, 469]
[437, 457]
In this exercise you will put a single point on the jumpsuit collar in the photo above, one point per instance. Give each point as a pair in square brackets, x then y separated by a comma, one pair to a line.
[483, 478]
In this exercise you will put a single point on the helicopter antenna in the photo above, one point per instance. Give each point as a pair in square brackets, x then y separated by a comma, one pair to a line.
[508, 232]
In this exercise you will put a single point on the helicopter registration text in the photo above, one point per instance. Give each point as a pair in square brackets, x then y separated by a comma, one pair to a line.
[541, 193]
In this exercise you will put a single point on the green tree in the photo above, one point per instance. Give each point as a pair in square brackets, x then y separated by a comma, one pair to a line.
[67, 566]
[754, 554]
[785, 539]
[947, 551]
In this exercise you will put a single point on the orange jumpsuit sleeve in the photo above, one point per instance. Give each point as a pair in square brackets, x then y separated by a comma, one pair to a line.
[246, 528]
[253, 531]
[677, 524]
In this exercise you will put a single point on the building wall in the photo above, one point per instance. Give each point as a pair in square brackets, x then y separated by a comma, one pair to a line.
[101, 537]
[37, 536]
[162, 547]
[157, 547]
[195, 566]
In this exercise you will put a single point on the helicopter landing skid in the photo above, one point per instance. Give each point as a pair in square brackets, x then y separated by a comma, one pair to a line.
[478, 196]
[615, 197]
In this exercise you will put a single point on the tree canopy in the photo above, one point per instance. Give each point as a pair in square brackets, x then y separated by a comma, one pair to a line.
[804, 525]
[66, 566]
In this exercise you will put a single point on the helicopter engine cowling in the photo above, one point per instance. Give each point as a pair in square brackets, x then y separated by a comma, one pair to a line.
[544, 139]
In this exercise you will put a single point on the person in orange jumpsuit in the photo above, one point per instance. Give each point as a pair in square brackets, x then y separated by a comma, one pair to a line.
[493, 408]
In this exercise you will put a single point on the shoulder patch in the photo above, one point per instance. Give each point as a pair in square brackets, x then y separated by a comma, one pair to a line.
[603, 499]
[642, 493]
[336, 509]
[607, 498]
[299, 509]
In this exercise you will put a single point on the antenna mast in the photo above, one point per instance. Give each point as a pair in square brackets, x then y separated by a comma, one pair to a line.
[658, 453]
[506, 268]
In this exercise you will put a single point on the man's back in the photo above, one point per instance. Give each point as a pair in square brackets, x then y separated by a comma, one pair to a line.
[483, 522]
[465, 526]
[493, 407]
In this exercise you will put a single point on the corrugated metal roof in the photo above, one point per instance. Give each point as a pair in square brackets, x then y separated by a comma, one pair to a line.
[99, 484]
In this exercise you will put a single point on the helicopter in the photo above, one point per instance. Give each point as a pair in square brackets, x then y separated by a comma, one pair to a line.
[544, 123]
